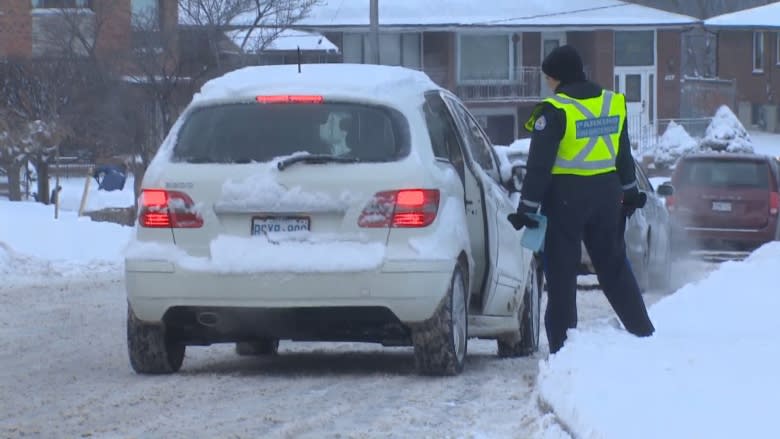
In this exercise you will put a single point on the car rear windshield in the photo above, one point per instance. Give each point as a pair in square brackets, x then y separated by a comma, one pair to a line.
[743, 174]
[250, 132]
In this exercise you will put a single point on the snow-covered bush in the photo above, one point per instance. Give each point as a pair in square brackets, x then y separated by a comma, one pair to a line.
[726, 133]
[674, 143]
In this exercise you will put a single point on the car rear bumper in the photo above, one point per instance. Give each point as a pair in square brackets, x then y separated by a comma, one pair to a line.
[411, 290]
[725, 238]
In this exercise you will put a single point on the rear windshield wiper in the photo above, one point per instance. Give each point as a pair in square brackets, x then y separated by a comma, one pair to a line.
[314, 158]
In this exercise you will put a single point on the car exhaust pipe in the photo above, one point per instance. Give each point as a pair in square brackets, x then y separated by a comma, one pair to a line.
[207, 318]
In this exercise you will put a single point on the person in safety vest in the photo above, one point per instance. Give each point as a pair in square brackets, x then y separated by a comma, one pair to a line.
[581, 174]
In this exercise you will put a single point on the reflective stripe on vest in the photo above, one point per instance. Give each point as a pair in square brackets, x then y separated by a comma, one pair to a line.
[592, 138]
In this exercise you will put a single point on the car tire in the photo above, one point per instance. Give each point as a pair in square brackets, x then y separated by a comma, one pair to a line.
[266, 346]
[150, 350]
[529, 319]
[441, 342]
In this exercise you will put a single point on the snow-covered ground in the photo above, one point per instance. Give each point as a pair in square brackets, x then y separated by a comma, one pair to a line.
[65, 371]
[709, 371]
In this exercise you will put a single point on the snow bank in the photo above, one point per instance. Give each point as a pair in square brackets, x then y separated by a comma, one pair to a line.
[32, 241]
[726, 133]
[709, 371]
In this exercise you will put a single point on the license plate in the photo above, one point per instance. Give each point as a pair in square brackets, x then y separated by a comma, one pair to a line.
[721, 206]
[263, 225]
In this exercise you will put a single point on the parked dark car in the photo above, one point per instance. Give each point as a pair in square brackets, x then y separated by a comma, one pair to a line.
[725, 202]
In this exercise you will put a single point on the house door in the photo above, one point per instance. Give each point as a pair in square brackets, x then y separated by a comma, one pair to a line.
[550, 41]
[638, 85]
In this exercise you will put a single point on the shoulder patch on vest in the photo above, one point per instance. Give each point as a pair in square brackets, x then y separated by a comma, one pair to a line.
[541, 123]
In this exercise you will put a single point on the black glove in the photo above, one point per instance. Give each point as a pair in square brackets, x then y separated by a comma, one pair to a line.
[633, 200]
[521, 219]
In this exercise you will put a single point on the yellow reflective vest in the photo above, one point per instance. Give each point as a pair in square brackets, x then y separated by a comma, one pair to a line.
[592, 136]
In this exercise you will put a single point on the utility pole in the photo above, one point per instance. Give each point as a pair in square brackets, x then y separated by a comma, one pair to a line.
[374, 22]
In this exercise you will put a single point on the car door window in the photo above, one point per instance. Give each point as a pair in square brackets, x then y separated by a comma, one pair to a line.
[476, 141]
[444, 135]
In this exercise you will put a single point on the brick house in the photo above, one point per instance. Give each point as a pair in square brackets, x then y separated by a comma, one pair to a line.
[35, 28]
[491, 56]
[749, 52]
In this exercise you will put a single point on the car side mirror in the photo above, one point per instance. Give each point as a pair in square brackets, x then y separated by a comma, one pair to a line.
[515, 184]
[665, 190]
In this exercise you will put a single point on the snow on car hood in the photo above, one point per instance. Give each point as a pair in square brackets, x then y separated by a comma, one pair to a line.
[260, 254]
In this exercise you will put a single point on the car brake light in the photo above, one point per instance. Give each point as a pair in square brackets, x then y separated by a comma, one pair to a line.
[406, 208]
[289, 99]
[161, 208]
[774, 203]
[670, 203]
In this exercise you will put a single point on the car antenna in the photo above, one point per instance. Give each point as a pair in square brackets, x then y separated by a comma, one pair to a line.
[299, 59]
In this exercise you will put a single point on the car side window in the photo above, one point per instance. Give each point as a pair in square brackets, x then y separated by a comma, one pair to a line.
[443, 133]
[478, 144]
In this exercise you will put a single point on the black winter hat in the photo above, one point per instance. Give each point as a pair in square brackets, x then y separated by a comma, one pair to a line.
[564, 64]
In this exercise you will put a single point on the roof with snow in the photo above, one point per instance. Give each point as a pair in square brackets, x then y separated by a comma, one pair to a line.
[510, 13]
[286, 40]
[767, 16]
[439, 14]
[363, 81]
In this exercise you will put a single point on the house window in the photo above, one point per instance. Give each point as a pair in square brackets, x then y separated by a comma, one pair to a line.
[758, 52]
[634, 48]
[777, 48]
[146, 14]
[395, 49]
[485, 57]
[54, 4]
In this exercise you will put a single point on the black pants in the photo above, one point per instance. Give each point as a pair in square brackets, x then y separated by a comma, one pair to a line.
[587, 209]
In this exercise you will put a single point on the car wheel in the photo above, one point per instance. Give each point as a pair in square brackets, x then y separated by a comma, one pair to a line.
[266, 346]
[529, 319]
[150, 351]
[440, 343]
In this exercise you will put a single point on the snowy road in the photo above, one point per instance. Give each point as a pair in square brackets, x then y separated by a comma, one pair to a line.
[65, 374]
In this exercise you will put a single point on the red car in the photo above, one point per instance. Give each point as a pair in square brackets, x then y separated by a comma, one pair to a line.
[725, 201]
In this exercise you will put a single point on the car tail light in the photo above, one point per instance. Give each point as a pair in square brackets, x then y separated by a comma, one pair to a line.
[289, 99]
[160, 208]
[670, 203]
[774, 203]
[406, 208]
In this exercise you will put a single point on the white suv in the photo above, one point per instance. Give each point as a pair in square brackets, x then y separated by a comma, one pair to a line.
[342, 202]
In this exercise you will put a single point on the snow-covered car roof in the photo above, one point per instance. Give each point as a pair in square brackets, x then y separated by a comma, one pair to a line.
[357, 81]
[495, 13]
[764, 17]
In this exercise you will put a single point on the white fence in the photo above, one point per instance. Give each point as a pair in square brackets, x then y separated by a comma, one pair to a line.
[645, 137]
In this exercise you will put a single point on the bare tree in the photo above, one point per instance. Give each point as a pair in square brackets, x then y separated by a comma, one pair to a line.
[250, 24]
[35, 96]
